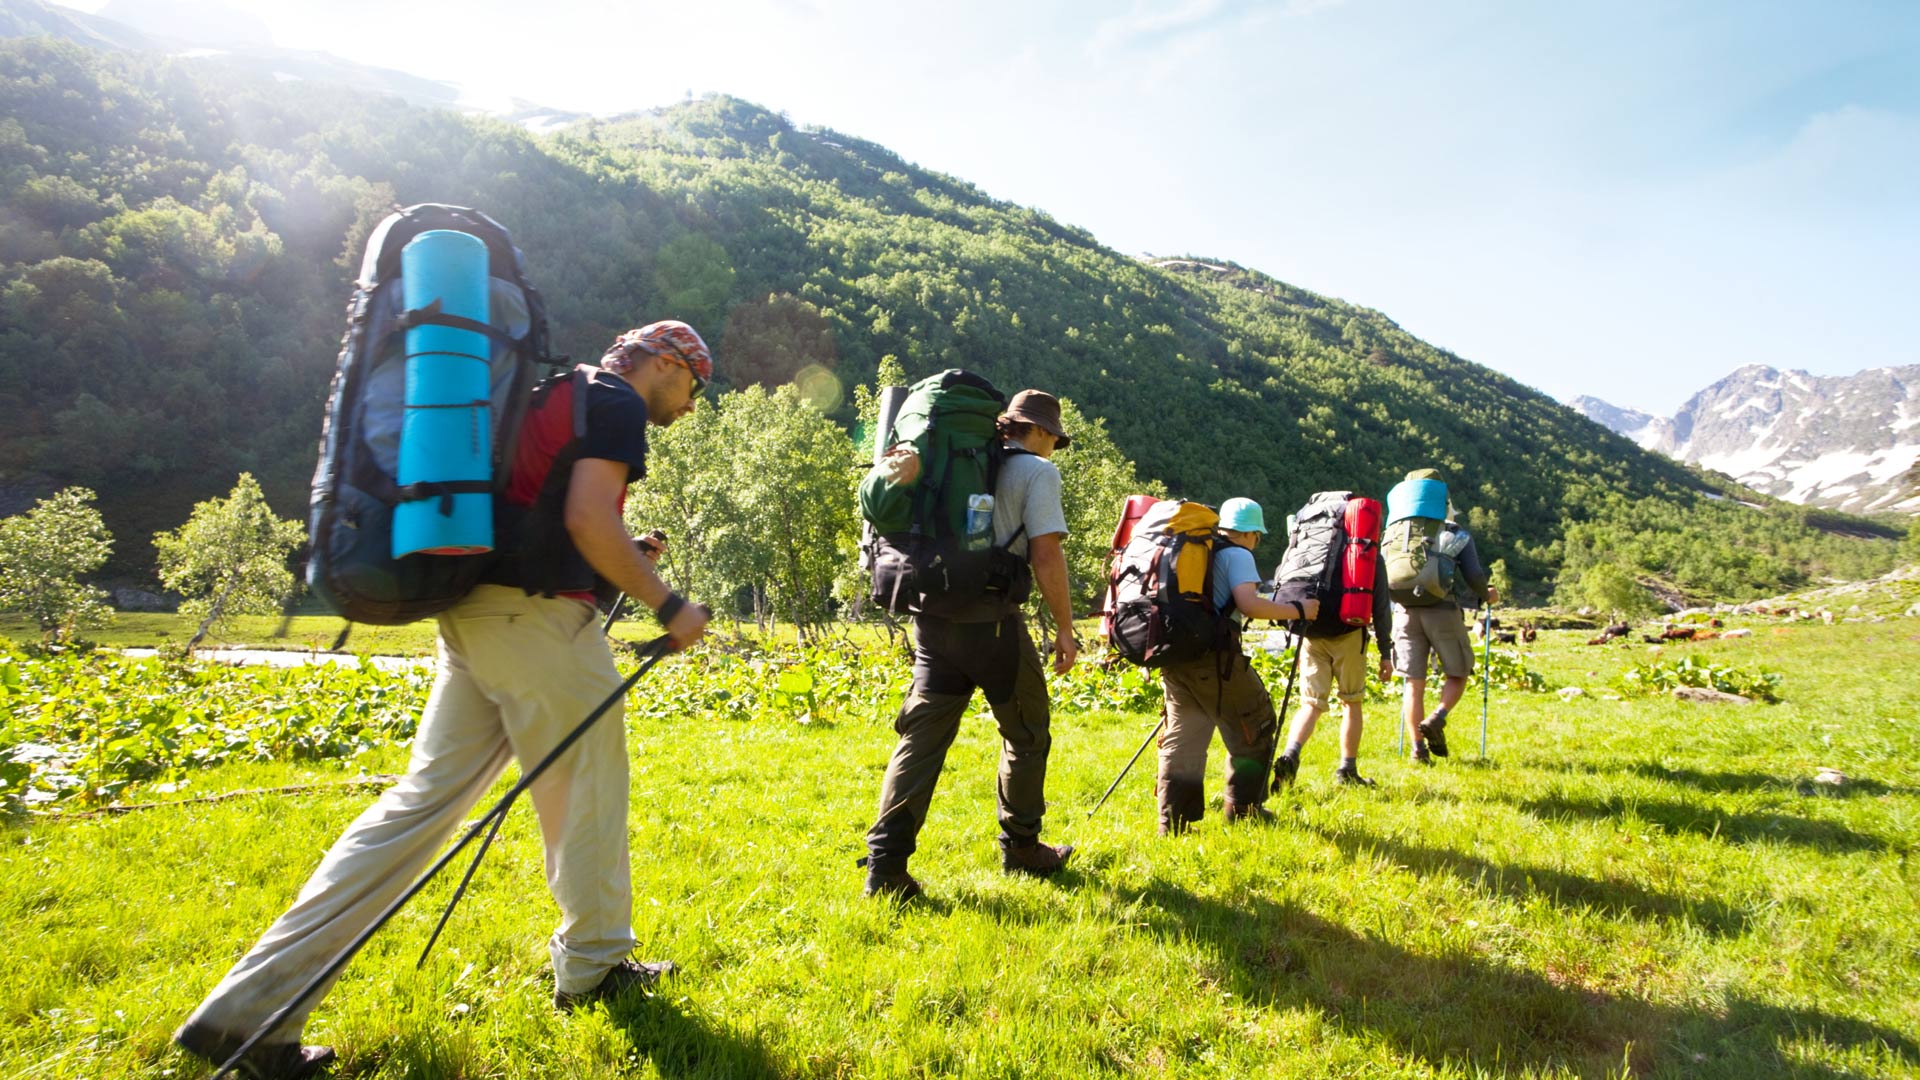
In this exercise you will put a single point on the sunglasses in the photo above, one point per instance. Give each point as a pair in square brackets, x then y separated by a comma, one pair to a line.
[699, 384]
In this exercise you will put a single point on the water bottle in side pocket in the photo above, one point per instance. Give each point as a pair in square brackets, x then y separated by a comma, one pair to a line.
[979, 522]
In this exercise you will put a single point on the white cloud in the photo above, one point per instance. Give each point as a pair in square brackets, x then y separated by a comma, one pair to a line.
[1150, 20]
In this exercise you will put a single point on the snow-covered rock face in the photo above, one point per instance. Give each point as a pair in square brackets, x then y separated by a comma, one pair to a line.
[1845, 442]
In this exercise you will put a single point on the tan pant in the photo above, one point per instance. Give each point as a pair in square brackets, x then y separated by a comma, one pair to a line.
[516, 673]
[1214, 693]
[1330, 662]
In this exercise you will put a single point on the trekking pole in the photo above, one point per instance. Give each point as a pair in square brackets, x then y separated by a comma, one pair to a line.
[613, 614]
[650, 542]
[1136, 757]
[1286, 700]
[654, 651]
[1486, 673]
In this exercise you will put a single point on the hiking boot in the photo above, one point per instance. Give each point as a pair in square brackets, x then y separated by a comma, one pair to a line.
[1434, 730]
[1421, 757]
[620, 978]
[1350, 775]
[1232, 811]
[899, 887]
[1285, 768]
[1036, 859]
[266, 1061]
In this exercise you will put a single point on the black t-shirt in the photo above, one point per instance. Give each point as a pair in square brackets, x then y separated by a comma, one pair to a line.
[541, 555]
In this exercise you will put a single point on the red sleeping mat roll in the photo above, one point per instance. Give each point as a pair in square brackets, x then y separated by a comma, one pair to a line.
[1359, 560]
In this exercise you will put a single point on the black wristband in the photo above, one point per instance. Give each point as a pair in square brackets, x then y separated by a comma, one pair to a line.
[669, 608]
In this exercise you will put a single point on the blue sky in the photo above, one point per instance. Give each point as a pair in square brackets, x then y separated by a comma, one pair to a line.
[1624, 199]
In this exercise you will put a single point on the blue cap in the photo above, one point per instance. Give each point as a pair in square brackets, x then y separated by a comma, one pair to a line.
[1242, 515]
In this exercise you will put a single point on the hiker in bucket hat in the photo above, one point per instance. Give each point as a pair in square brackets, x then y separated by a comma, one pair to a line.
[1039, 408]
[951, 659]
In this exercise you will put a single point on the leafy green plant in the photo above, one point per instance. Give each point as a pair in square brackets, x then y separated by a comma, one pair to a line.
[85, 726]
[1662, 676]
[1508, 669]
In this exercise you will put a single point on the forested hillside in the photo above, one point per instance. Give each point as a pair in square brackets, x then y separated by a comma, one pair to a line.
[176, 246]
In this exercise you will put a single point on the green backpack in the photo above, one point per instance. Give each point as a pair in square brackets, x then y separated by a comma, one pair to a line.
[1422, 556]
[932, 552]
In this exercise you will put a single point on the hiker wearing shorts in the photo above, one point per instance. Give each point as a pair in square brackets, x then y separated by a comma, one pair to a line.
[521, 661]
[1427, 626]
[952, 659]
[1339, 661]
[1221, 692]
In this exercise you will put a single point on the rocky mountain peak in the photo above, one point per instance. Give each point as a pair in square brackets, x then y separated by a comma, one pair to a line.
[1845, 442]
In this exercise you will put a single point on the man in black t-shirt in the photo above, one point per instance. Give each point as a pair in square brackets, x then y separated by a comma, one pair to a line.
[520, 664]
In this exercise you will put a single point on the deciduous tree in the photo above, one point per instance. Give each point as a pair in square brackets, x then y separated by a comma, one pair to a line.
[230, 558]
[44, 553]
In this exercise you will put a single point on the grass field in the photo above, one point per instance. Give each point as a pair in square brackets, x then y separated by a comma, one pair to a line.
[1623, 888]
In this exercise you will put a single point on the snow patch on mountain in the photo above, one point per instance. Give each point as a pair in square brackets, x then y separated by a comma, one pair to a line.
[1845, 442]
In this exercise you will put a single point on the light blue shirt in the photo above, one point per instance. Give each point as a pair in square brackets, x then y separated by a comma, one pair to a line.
[1232, 566]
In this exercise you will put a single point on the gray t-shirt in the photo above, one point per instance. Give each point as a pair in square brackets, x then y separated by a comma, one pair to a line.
[1029, 494]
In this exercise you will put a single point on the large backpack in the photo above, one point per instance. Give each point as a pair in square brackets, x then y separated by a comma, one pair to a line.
[1160, 587]
[1420, 546]
[351, 567]
[1332, 552]
[933, 551]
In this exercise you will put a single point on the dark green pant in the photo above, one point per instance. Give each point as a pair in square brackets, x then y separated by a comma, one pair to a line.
[950, 661]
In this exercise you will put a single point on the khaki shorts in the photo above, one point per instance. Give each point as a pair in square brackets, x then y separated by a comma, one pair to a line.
[1418, 631]
[1329, 661]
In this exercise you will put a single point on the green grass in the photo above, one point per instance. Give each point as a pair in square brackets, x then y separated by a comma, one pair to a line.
[1634, 887]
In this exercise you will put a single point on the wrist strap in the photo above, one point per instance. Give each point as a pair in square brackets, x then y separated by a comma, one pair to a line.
[669, 608]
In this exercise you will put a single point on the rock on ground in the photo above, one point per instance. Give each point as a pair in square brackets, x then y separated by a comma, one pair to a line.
[1708, 695]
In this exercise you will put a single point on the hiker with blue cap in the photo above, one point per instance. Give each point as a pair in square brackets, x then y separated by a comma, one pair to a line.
[1221, 691]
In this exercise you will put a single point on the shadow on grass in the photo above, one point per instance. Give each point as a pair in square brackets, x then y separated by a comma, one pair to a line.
[1683, 817]
[1458, 1009]
[683, 1045]
[1740, 782]
[1519, 882]
[677, 1044]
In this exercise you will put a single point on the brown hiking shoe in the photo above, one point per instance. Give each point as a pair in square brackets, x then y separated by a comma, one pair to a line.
[1232, 811]
[899, 887]
[620, 978]
[1036, 859]
[266, 1061]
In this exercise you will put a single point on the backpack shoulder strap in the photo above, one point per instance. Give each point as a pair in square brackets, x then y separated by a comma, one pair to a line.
[581, 384]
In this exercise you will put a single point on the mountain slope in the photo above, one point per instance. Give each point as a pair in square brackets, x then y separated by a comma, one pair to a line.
[1844, 442]
[180, 238]
[222, 37]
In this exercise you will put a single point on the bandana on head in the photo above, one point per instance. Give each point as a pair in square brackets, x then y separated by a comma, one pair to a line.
[668, 337]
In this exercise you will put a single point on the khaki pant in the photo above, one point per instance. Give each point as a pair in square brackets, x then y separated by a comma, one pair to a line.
[516, 673]
[1336, 661]
[949, 661]
[1215, 693]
